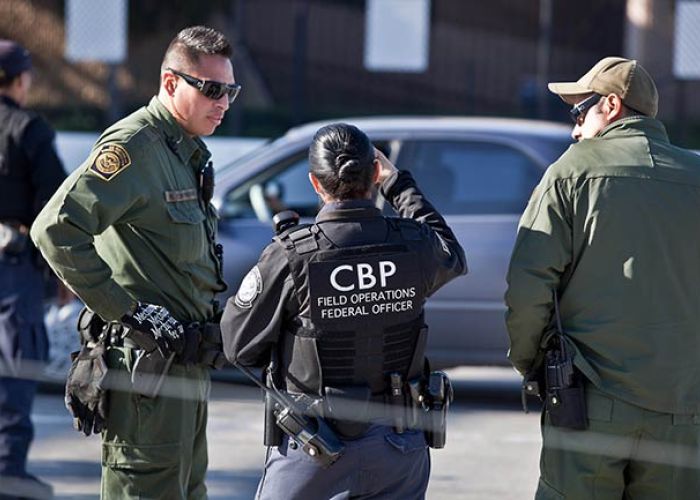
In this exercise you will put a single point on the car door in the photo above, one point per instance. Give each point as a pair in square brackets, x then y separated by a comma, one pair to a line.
[481, 186]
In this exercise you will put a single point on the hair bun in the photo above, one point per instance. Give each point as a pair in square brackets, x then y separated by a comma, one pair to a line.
[348, 167]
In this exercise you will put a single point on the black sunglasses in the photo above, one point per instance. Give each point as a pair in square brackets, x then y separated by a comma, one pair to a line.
[580, 109]
[210, 88]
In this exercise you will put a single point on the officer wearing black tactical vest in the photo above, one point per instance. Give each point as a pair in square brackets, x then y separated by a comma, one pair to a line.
[30, 172]
[335, 310]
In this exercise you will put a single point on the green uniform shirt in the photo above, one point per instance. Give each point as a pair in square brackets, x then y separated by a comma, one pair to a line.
[614, 225]
[129, 223]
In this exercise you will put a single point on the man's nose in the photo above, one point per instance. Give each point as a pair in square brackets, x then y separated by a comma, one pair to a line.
[223, 103]
[576, 133]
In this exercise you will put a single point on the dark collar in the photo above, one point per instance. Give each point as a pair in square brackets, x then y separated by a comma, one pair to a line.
[350, 209]
[8, 101]
[188, 149]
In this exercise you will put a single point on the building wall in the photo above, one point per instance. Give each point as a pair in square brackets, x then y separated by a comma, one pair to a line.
[483, 56]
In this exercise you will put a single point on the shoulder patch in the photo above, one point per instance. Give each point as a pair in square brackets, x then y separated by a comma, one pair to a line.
[250, 288]
[112, 159]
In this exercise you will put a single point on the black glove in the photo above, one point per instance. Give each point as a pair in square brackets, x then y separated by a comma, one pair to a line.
[85, 398]
[155, 328]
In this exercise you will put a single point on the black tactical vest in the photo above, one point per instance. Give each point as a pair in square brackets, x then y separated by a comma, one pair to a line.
[361, 311]
[16, 191]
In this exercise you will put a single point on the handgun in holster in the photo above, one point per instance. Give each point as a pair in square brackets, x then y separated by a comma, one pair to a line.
[438, 395]
[150, 367]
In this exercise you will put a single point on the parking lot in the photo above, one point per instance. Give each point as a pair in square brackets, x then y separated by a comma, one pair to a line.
[491, 453]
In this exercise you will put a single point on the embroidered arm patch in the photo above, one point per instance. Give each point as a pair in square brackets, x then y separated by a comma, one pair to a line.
[112, 159]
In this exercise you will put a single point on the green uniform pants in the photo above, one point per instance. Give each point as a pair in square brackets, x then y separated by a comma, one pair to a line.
[627, 452]
[155, 448]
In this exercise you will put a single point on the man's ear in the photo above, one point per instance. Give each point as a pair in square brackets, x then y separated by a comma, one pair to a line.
[613, 107]
[377, 171]
[169, 82]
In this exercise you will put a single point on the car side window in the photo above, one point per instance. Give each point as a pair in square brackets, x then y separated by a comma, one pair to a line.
[471, 177]
[281, 186]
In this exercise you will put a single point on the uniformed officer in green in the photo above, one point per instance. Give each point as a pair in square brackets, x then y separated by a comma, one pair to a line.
[613, 229]
[132, 233]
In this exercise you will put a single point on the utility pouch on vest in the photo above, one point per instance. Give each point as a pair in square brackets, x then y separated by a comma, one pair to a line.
[565, 400]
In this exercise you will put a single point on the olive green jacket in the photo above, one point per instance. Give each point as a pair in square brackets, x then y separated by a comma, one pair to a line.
[614, 226]
[129, 223]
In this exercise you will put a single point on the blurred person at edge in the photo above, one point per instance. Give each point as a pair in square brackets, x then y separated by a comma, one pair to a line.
[30, 172]
[613, 230]
[133, 233]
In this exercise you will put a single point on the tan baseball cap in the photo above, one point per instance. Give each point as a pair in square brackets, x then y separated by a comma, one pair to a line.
[614, 75]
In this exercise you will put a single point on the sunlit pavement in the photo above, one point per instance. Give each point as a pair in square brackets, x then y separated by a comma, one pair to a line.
[492, 450]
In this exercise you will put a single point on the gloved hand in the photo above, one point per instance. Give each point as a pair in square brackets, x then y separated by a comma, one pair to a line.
[155, 328]
[85, 397]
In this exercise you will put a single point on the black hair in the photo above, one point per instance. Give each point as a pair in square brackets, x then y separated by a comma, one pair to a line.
[6, 83]
[341, 157]
[190, 43]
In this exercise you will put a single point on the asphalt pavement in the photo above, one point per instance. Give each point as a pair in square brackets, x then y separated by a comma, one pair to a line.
[492, 449]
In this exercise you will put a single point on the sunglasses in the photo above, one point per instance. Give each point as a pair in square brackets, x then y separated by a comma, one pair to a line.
[210, 88]
[579, 110]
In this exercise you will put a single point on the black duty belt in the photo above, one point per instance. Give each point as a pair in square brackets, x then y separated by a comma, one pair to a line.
[210, 351]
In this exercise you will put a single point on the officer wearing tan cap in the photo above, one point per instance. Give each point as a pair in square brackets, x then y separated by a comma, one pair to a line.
[612, 229]
[30, 172]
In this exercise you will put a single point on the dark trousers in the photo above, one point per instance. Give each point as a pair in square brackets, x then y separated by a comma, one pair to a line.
[23, 346]
[626, 452]
[16, 430]
[379, 465]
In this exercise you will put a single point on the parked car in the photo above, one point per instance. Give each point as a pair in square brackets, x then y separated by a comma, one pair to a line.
[479, 172]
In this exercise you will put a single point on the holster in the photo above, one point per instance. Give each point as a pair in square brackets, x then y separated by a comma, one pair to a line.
[439, 395]
[565, 400]
[272, 434]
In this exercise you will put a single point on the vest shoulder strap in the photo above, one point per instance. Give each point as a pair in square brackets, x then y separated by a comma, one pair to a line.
[302, 238]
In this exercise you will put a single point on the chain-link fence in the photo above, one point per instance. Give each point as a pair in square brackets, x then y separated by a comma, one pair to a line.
[306, 58]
